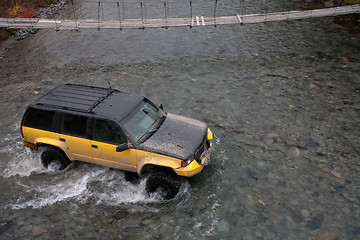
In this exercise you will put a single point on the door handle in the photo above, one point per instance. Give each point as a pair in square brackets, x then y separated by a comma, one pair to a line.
[94, 146]
[62, 139]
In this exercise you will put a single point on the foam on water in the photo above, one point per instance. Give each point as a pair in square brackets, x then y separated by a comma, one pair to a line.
[21, 161]
[43, 187]
[79, 184]
[48, 195]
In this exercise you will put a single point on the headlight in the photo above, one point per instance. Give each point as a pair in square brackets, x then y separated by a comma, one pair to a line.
[204, 158]
[209, 143]
[186, 162]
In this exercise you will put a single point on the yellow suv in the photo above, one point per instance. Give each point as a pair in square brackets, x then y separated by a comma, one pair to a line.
[117, 130]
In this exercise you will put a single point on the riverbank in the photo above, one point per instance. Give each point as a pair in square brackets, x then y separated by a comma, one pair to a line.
[26, 9]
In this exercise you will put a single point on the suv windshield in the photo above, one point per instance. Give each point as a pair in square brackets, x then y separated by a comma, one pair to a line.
[143, 121]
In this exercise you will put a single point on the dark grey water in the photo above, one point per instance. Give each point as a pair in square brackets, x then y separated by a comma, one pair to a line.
[282, 99]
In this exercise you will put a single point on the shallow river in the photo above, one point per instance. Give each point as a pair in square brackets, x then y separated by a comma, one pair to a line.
[283, 100]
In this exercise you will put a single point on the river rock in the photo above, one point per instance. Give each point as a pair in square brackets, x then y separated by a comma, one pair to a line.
[304, 213]
[329, 4]
[223, 226]
[290, 224]
[325, 235]
[47, 81]
[57, 232]
[37, 231]
[121, 214]
[316, 222]
[5, 225]
[272, 138]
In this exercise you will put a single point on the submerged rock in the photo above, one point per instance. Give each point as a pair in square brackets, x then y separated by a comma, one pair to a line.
[57, 232]
[5, 225]
[37, 231]
[316, 222]
[223, 226]
[325, 235]
[304, 213]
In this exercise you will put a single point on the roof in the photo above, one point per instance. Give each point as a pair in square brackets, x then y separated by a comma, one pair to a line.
[81, 98]
[118, 105]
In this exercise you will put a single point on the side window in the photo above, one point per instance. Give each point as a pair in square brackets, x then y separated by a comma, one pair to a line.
[41, 119]
[75, 125]
[108, 131]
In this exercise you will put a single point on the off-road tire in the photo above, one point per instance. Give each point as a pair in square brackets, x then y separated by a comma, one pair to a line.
[52, 154]
[165, 183]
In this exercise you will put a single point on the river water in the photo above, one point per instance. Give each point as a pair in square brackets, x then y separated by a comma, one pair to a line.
[281, 98]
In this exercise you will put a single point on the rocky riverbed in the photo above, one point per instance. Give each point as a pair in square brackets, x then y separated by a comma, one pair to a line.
[282, 99]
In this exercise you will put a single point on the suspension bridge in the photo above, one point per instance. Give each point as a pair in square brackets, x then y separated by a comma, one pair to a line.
[166, 21]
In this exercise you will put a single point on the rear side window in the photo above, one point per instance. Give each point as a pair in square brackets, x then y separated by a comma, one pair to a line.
[40, 119]
[75, 125]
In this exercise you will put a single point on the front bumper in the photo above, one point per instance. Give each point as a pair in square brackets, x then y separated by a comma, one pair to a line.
[190, 170]
[196, 166]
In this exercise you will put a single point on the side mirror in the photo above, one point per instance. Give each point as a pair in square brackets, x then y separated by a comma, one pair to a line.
[161, 107]
[122, 147]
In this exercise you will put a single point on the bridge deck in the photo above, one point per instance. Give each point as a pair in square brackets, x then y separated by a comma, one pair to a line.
[38, 23]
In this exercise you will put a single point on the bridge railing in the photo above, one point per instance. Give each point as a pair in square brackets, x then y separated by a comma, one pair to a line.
[166, 21]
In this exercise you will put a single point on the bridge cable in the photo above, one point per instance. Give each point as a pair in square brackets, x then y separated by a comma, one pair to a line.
[265, 10]
[191, 16]
[241, 7]
[81, 13]
[118, 8]
[57, 27]
[62, 14]
[99, 16]
[123, 4]
[142, 17]
[102, 10]
[145, 10]
[241, 11]
[168, 8]
[72, 3]
[215, 13]
[166, 16]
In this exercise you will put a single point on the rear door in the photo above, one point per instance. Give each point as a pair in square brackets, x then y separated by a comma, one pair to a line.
[107, 135]
[75, 134]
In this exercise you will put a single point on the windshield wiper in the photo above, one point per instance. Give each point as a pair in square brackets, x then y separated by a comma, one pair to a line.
[148, 133]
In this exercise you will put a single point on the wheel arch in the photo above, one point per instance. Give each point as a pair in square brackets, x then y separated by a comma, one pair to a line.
[151, 163]
[149, 167]
[61, 148]
[52, 153]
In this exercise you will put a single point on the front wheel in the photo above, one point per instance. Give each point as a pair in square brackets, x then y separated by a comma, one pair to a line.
[54, 158]
[165, 184]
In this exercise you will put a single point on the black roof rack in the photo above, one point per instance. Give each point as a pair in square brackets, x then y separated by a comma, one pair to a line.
[75, 97]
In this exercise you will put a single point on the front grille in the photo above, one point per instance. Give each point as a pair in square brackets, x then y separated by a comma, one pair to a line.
[201, 149]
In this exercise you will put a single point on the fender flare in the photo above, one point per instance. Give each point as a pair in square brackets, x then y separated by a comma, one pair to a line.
[157, 161]
[55, 143]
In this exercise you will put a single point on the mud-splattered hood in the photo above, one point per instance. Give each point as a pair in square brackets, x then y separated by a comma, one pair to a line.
[178, 136]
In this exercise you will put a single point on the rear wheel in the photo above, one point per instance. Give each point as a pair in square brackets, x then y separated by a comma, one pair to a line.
[165, 184]
[54, 158]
